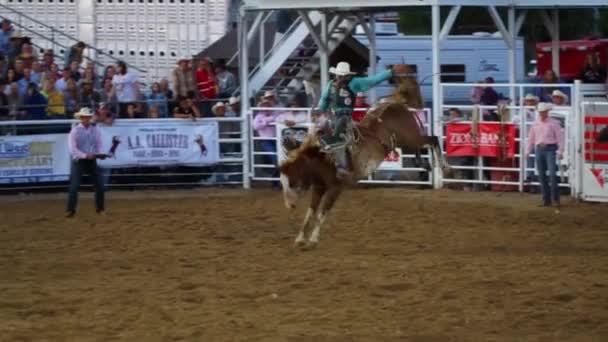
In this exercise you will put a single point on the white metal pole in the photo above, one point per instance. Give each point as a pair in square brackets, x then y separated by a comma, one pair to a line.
[512, 52]
[555, 42]
[323, 57]
[578, 142]
[436, 88]
[372, 53]
[244, 71]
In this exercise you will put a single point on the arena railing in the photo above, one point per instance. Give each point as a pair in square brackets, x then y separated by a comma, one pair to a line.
[265, 153]
[232, 167]
[494, 172]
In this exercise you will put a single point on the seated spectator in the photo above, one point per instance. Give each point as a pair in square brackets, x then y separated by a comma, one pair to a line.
[225, 81]
[75, 54]
[165, 89]
[90, 76]
[544, 93]
[593, 71]
[133, 112]
[71, 98]
[19, 67]
[48, 59]
[88, 96]
[28, 56]
[104, 114]
[6, 33]
[559, 98]
[11, 76]
[234, 107]
[153, 113]
[75, 71]
[25, 82]
[54, 97]
[186, 109]
[158, 100]
[52, 74]
[106, 91]
[62, 83]
[109, 72]
[34, 104]
[36, 73]
[15, 100]
[219, 110]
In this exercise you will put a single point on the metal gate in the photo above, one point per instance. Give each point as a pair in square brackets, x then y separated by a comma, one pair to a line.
[592, 156]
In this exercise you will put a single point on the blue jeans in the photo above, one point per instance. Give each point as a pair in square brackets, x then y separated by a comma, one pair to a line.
[546, 161]
[79, 168]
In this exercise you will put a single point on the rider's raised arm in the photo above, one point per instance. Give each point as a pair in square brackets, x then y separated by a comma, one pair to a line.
[323, 102]
[363, 84]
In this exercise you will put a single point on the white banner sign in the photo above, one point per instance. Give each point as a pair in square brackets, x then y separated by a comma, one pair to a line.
[160, 143]
[34, 158]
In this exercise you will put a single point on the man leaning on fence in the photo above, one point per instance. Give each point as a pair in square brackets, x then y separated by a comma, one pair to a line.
[547, 139]
[84, 143]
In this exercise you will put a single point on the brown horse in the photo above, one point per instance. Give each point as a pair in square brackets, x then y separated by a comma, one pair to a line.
[390, 126]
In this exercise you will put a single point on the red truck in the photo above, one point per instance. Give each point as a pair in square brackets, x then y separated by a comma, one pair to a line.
[572, 56]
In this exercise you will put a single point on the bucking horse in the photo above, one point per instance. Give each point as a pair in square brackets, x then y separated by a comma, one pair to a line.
[389, 126]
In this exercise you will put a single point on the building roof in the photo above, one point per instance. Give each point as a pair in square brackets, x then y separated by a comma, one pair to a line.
[367, 4]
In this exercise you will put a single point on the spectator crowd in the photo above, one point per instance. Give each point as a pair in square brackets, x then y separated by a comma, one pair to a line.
[41, 85]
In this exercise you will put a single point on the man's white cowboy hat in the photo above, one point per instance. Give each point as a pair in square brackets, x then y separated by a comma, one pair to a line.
[559, 93]
[531, 97]
[84, 111]
[216, 106]
[342, 69]
[183, 58]
[360, 94]
[543, 107]
[234, 100]
[268, 93]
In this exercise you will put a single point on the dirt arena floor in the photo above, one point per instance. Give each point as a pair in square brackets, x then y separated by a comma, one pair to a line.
[218, 265]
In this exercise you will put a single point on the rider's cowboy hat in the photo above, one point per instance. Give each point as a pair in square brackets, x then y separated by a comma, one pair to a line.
[544, 107]
[84, 111]
[342, 69]
[360, 94]
[558, 93]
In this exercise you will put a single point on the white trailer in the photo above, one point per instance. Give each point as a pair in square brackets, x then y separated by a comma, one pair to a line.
[464, 59]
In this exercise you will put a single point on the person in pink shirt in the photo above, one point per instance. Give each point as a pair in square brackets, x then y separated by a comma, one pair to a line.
[84, 143]
[264, 124]
[547, 139]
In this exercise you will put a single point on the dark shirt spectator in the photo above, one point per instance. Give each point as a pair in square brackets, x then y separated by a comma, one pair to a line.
[186, 110]
[593, 71]
[75, 53]
[74, 70]
[34, 104]
[104, 114]
[133, 112]
[88, 96]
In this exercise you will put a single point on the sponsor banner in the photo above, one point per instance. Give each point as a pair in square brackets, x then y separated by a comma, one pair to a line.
[297, 133]
[461, 142]
[164, 143]
[34, 158]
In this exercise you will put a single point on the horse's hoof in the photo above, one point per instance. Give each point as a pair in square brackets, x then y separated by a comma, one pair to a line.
[299, 243]
[311, 245]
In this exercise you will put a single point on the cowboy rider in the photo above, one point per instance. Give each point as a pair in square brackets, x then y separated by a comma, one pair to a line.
[339, 98]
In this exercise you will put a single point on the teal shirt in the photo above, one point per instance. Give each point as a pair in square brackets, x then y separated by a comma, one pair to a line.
[356, 85]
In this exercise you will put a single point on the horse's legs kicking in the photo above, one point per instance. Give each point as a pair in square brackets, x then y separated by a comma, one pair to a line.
[315, 201]
[328, 202]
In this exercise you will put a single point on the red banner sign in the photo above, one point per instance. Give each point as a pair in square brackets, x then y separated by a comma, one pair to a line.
[460, 141]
